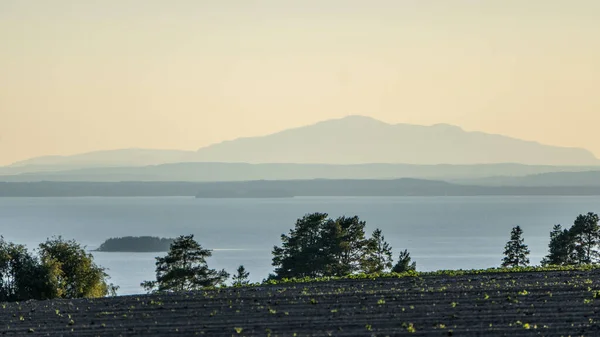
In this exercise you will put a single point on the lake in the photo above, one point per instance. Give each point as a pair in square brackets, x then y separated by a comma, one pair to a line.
[439, 232]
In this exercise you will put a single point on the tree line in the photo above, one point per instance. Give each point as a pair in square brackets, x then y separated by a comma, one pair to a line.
[317, 246]
[573, 246]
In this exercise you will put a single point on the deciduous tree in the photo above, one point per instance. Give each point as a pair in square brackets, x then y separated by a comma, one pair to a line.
[73, 270]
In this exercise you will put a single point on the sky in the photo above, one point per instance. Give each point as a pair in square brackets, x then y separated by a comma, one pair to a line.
[79, 76]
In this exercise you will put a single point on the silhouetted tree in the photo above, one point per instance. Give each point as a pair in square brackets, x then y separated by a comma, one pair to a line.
[561, 249]
[515, 251]
[318, 246]
[73, 270]
[185, 268]
[344, 246]
[576, 245]
[586, 235]
[379, 258]
[241, 277]
[301, 252]
[404, 263]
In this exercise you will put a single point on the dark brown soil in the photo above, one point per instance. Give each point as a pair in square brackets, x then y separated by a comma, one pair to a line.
[545, 304]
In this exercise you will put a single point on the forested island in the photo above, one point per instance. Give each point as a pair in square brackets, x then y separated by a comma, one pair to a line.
[139, 244]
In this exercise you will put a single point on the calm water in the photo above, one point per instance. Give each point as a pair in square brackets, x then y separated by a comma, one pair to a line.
[440, 232]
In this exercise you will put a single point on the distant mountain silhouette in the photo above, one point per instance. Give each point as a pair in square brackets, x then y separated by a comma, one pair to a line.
[350, 140]
[357, 139]
[108, 158]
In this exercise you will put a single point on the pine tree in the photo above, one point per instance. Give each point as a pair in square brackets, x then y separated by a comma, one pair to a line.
[404, 263]
[516, 252]
[379, 258]
[561, 249]
[586, 235]
[241, 278]
[318, 246]
[184, 268]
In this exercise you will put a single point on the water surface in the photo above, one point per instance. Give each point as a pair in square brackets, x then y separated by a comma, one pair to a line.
[440, 232]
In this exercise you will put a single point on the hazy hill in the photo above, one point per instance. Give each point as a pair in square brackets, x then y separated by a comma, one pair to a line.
[359, 139]
[590, 178]
[350, 140]
[240, 172]
[109, 158]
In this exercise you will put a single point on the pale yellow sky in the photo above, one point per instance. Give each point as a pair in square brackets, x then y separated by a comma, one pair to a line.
[78, 76]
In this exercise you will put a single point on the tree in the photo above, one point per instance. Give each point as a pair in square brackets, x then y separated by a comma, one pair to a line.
[185, 268]
[379, 258]
[73, 271]
[318, 246]
[586, 234]
[241, 277]
[576, 245]
[20, 274]
[344, 247]
[561, 248]
[301, 252]
[404, 263]
[516, 251]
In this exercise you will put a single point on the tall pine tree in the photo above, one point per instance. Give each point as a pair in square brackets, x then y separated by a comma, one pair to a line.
[379, 258]
[586, 234]
[184, 268]
[516, 252]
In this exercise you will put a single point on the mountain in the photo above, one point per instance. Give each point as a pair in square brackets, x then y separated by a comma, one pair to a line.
[109, 158]
[206, 172]
[350, 140]
[357, 139]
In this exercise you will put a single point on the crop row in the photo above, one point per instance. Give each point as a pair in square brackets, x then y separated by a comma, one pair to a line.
[560, 302]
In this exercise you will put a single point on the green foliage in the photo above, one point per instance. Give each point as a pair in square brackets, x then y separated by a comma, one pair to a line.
[299, 254]
[64, 270]
[577, 245]
[21, 275]
[404, 263]
[561, 248]
[241, 277]
[379, 258]
[72, 270]
[516, 251]
[448, 273]
[318, 246]
[586, 233]
[185, 268]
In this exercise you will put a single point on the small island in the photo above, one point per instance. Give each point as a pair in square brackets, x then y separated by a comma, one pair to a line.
[137, 244]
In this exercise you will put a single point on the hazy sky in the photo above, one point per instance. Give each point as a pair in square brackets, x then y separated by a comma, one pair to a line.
[78, 76]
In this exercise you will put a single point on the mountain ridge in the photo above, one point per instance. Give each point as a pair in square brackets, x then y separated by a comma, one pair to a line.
[349, 140]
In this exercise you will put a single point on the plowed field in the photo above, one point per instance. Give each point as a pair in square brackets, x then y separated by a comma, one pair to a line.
[536, 303]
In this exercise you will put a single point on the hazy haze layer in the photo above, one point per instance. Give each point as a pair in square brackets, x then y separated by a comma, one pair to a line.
[79, 76]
